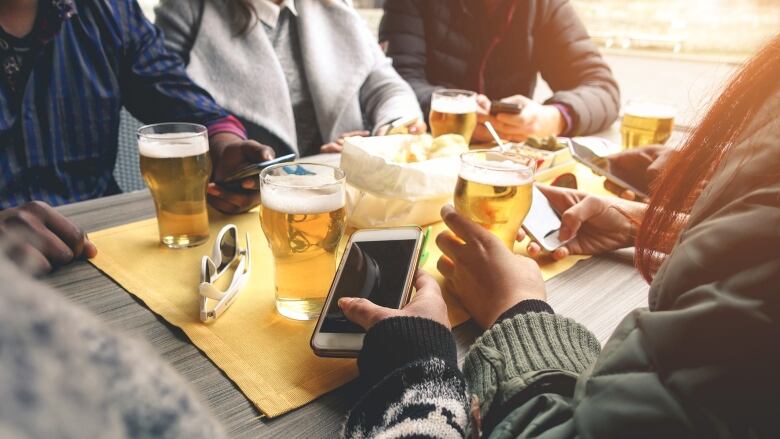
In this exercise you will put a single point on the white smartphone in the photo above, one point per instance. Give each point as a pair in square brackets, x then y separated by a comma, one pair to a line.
[379, 265]
[542, 223]
[600, 165]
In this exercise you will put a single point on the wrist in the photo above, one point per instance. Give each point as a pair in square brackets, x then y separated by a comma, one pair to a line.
[524, 307]
[397, 341]
[556, 121]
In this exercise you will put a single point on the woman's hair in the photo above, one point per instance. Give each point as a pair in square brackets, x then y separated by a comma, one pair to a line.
[243, 16]
[679, 185]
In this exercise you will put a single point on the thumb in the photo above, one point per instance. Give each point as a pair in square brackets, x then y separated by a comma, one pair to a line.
[573, 218]
[361, 311]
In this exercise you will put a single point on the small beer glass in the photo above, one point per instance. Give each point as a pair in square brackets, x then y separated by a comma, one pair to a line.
[303, 216]
[453, 112]
[494, 190]
[176, 167]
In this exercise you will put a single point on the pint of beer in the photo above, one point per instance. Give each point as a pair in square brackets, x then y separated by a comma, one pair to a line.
[303, 216]
[494, 190]
[176, 167]
[646, 123]
[453, 112]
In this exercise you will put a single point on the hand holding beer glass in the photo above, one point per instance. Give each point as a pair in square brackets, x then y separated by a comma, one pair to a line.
[303, 217]
[494, 190]
[453, 112]
[646, 123]
[176, 167]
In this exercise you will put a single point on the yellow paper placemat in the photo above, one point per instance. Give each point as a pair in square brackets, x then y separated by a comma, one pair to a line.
[266, 355]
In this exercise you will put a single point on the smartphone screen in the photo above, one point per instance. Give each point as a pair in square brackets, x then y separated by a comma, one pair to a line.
[542, 222]
[375, 270]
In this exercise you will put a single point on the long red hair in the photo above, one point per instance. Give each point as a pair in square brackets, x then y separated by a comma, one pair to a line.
[679, 185]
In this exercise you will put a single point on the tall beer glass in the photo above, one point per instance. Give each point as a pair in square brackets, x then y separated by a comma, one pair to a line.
[494, 190]
[646, 123]
[303, 216]
[453, 112]
[176, 167]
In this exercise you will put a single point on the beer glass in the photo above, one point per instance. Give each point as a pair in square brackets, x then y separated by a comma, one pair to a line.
[176, 167]
[646, 123]
[494, 190]
[303, 216]
[453, 112]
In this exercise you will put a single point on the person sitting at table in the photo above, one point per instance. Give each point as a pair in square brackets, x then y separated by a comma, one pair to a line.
[64, 373]
[702, 361]
[68, 69]
[301, 75]
[497, 48]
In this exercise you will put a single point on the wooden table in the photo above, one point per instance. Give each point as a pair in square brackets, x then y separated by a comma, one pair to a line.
[597, 292]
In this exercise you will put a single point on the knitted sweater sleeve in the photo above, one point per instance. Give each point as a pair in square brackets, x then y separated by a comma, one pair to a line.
[416, 389]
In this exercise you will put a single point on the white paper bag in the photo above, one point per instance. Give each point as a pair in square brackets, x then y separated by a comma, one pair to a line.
[382, 193]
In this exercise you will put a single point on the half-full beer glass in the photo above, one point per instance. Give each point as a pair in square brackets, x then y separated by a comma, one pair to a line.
[176, 167]
[453, 112]
[303, 216]
[646, 123]
[494, 190]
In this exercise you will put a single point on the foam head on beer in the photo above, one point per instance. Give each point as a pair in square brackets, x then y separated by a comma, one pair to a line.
[172, 145]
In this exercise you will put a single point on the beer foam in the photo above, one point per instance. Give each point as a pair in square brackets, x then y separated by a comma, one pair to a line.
[454, 105]
[650, 109]
[172, 145]
[499, 174]
[299, 194]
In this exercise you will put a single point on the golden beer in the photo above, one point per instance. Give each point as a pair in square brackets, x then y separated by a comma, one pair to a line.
[303, 218]
[176, 168]
[646, 123]
[494, 190]
[453, 112]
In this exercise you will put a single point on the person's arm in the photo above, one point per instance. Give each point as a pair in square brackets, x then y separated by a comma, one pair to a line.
[176, 19]
[402, 33]
[703, 362]
[155, 86]
[384, 96]
[575, 70]
[409, 366]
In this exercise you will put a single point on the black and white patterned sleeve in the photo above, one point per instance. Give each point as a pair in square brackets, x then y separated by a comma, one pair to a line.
[416, 389]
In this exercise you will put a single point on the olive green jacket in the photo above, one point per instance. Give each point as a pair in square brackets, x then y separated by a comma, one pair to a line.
[702, 361]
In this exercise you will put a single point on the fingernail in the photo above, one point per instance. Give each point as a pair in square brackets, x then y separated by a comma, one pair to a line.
[344, 301]
[248, 184]
[447, 209]
[213, 190]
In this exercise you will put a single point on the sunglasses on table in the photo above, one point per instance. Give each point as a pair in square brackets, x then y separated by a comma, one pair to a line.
[224, 255]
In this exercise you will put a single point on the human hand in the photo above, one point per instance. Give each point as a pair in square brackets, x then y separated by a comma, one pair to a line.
[338, 144]
[638, 167]
[481, 133]
[534, 120]
[591, 224]
[230, 153]
[38, 238]
[417, 127]
[426, 303]
[482, 273]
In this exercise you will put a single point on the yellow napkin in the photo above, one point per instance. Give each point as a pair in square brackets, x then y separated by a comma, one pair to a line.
[266, 355]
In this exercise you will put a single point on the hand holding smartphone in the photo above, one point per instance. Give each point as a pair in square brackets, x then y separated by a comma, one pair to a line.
[378, 265]
[234, 180]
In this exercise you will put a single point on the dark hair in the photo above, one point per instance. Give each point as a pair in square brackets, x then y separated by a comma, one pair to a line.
[679, 185]
[243, 16]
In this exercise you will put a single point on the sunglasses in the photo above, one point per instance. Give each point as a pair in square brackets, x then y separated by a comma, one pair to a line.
[224, 255]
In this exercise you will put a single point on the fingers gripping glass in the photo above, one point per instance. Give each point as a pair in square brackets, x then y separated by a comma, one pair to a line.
[224, 255]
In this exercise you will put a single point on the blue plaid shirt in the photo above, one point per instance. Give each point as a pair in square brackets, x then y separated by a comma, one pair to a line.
[58, 136]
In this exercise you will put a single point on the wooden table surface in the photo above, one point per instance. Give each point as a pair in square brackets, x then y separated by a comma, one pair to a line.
[597, 292]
